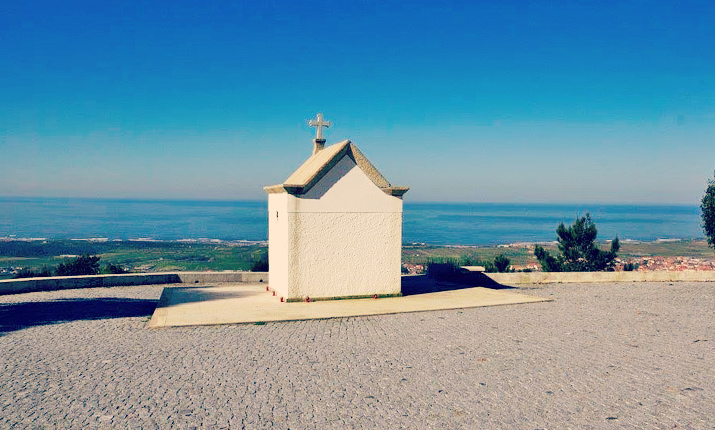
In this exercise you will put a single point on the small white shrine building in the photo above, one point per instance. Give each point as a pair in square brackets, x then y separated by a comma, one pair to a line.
[334, 227]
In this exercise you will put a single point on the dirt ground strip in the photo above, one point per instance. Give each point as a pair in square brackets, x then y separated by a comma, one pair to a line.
[600, 356]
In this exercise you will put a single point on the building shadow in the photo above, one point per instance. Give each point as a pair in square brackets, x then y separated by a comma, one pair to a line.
[17, 316]
[180, 295]
[422, 284]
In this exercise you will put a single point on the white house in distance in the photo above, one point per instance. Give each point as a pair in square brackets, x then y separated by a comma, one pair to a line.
[334, 227]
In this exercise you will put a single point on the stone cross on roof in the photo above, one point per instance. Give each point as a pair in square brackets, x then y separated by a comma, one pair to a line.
[318, 123]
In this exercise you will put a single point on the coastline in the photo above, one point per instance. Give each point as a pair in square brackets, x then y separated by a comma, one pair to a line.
[447, 224]
[204, 254]
[246, 242]
[669, 254]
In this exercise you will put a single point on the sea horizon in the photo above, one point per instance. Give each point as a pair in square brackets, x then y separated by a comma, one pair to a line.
[435, 223]
[408, 201]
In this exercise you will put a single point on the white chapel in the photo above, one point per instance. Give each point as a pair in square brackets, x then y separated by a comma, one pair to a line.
[334, 227]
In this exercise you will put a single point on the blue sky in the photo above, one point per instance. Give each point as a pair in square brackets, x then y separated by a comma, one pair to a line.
[513, 101]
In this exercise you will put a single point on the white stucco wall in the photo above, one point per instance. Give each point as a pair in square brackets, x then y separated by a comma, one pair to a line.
[278, 243]
[346, 188]
[342, 238]
[345, 254]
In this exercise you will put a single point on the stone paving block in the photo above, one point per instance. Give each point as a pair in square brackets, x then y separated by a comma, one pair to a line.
[599, 356]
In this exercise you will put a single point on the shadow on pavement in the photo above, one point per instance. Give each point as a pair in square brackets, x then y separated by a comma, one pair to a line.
[206, 293]
[17, 316]
[422, 284]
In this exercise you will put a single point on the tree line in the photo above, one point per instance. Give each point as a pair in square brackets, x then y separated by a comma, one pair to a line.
[79, 266]
[20, 248]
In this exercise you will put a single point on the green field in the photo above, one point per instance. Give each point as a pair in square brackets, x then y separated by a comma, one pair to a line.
[524, 255]
[173, 256]
[132, 256]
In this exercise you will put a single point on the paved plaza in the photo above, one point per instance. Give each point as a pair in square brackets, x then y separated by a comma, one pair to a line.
[630, 355]
[252, 303]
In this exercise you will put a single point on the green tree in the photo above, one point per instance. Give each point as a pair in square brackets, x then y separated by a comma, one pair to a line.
[499, 265]
[83, 265]
[579, 252]
[112, 269]
[547, 261]
[708, 207]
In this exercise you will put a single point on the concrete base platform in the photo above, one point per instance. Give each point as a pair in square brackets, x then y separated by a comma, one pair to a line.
[251, 303]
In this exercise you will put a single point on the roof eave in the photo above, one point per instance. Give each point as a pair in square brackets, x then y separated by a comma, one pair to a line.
[302, 183]
[283, 188]
[395, 191]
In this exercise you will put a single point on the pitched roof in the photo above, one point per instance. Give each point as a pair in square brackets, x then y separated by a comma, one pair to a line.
[320, 163]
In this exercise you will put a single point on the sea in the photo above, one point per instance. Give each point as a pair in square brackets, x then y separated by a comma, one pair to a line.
[465, 224]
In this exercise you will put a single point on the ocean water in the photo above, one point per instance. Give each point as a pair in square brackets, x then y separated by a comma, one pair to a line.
[490, 224]
[433, 223]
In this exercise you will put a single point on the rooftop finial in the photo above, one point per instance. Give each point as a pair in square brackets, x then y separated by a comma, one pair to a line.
[318, 123]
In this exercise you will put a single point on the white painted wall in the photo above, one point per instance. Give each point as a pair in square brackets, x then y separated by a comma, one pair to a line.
[278, 243]
[342, 238]
[345, 254]
[346, 188]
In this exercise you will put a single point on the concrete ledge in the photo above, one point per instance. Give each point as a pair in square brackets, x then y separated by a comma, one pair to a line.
[196, 277]
[232, 304]
[363, 296]
[585, 277]
[17, 286]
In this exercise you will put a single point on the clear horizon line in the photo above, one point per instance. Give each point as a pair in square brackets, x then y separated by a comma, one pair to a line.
[456, 202]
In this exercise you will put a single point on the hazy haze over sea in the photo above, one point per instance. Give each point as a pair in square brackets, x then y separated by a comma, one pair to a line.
[434, 223]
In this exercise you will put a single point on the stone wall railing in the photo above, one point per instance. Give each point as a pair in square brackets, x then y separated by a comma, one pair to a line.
[587, 277]
[16, 286]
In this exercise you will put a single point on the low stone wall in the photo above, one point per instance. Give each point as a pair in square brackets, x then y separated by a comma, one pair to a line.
[196, 277]
[16, 286]
[586, 277]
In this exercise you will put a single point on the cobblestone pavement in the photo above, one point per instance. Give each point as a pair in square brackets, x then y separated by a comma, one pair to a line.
[601, 356]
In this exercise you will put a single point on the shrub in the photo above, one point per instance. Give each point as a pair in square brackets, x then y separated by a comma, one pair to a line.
[260, 264]
[82, 265]
[579, 252]
[446, 267]
[630, 267]
[113, 269]
[501, 264]
[707, 206]
[25, 272]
